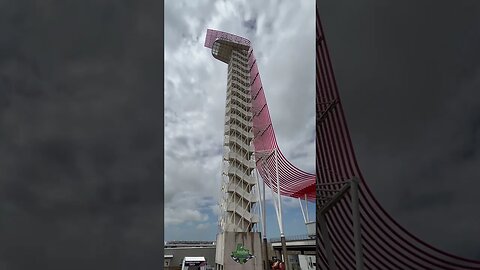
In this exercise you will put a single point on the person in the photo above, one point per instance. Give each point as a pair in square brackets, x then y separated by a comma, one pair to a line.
[275, 265]
[278, 265]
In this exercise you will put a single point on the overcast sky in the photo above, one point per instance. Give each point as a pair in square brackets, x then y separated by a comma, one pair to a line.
[195, 90]
[409, 78]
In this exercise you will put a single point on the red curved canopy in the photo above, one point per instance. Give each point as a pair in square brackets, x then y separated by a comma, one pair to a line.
[385, 243]
[293, 181]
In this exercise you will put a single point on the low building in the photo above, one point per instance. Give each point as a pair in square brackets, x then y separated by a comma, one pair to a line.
[300, 249]
[175, 251]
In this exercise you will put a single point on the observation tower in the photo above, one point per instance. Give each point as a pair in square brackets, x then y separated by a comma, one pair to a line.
[239, 197]
[251, 153]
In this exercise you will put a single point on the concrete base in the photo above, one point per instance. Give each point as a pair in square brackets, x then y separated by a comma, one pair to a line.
[227, 243]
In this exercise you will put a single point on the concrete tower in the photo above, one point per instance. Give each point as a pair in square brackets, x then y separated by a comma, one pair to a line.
[238, 203]
[238, 182]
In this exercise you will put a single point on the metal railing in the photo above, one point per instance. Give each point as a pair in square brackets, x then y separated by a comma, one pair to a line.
[293, 238]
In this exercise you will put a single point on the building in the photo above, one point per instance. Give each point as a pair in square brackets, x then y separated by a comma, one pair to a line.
[175, 251]
[300, 247]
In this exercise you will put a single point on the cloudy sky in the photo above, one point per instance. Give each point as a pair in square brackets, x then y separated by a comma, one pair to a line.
[409, 77]
[195, 90]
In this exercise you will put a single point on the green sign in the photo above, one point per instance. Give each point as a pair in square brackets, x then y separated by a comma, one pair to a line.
[241, 255]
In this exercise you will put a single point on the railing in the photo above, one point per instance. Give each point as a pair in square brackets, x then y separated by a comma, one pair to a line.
[250, 217]
[237, 128]
[293, 238]
[234, 98]
[240, 109]
[241, 143]
[239, 119]
[247, 178]
[246, 96]
[251, 197]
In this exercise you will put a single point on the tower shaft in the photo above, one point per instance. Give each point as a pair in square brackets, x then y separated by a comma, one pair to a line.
[238, 245]
[238, 160]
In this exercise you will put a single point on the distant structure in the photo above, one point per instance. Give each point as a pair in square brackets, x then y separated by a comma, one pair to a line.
[353, 230]
[176, 251]
[177, 244]
[250, 152]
